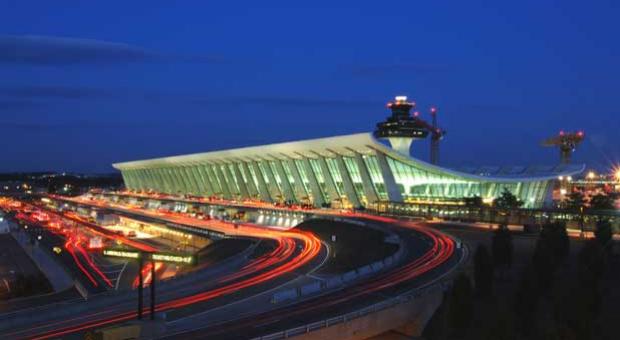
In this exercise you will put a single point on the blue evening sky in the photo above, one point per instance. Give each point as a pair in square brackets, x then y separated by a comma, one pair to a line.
[87, 83]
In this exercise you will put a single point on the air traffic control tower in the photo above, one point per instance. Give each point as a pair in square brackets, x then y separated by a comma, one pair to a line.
[401, 128]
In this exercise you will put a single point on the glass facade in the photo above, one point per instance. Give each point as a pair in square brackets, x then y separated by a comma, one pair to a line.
[347, 176]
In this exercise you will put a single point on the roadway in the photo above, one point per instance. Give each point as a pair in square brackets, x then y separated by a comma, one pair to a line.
[297, 252]
[294, 251]
[436, 256]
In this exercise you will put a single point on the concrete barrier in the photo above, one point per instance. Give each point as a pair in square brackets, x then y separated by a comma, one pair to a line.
[376, 266]
[284, 295]
[365, 270]
[334, 282]
[311, 288]
[349, 276]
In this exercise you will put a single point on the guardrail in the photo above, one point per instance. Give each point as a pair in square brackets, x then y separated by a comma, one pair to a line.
[307, 328]
[443, 283]
[318, 286]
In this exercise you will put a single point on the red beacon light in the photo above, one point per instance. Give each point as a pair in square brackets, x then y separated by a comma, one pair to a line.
[433, 110]
[416, 113]
[561, 132]
[580, 133]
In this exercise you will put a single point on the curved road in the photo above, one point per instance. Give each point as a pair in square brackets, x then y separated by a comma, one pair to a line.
[295, 250]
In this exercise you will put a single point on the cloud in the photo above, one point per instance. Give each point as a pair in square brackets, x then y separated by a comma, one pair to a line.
[54, 92]
[50, 50]
[46, 50]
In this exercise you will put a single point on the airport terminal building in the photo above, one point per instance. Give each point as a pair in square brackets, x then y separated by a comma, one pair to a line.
[344, 171]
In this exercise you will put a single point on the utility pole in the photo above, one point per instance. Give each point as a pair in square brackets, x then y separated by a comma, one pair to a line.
[152, 290]
[436, 136]
[140, 286]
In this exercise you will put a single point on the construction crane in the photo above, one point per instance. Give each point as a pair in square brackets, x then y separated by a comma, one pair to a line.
[567, 142]
[435, 131]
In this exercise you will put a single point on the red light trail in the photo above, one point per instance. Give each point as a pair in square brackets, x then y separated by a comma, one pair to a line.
[283, 259]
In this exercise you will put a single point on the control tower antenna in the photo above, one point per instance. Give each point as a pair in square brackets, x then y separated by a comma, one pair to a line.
[400, 129]
[436, 135]
[566, 142]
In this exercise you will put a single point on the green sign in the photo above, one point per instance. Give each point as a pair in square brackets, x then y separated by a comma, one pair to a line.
[126, 254]
[158, 257]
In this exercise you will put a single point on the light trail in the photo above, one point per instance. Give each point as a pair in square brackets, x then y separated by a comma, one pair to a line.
[266, 268]
[281, 260]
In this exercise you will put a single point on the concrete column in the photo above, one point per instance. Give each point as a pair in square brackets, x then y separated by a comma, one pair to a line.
[263, 190]
[243, 187]
[317, 193]
[272, 180]
[250, 185]
[200, 184]
[329, 180]
[167, 186]
[180, 175]
[199, 189]
[300, 190]
[217, 187]
[369, 188]
[135, 180]
[391, 188]
[127, 179]
[175, 180]
[286, 185]
[234, 189]
[142, 180]
[349, 187]
[192, 185]
[225, 187]
[208, 188]
[152, 183]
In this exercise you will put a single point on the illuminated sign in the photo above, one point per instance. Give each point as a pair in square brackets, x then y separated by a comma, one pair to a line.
[121, 253]
[172, 258]
[159, 257]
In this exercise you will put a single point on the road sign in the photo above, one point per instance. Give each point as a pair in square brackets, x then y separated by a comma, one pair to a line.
[158, 257]
[126, 254]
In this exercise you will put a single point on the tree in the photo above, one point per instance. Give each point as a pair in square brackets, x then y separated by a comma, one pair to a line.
[474, 205]
[603, 233]
[526, 301]
[602, 202]
[544, 265]
[507, 201]
[501, 247]
[461, 305]
[557, 239]
[575, 201]
[483, 271]
[473, 202]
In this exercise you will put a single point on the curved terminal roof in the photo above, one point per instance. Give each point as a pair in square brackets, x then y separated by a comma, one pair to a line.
[348, 145]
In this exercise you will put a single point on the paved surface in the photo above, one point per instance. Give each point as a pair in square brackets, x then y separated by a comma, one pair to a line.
[55, 273]
[14, 262]
[214, 325]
